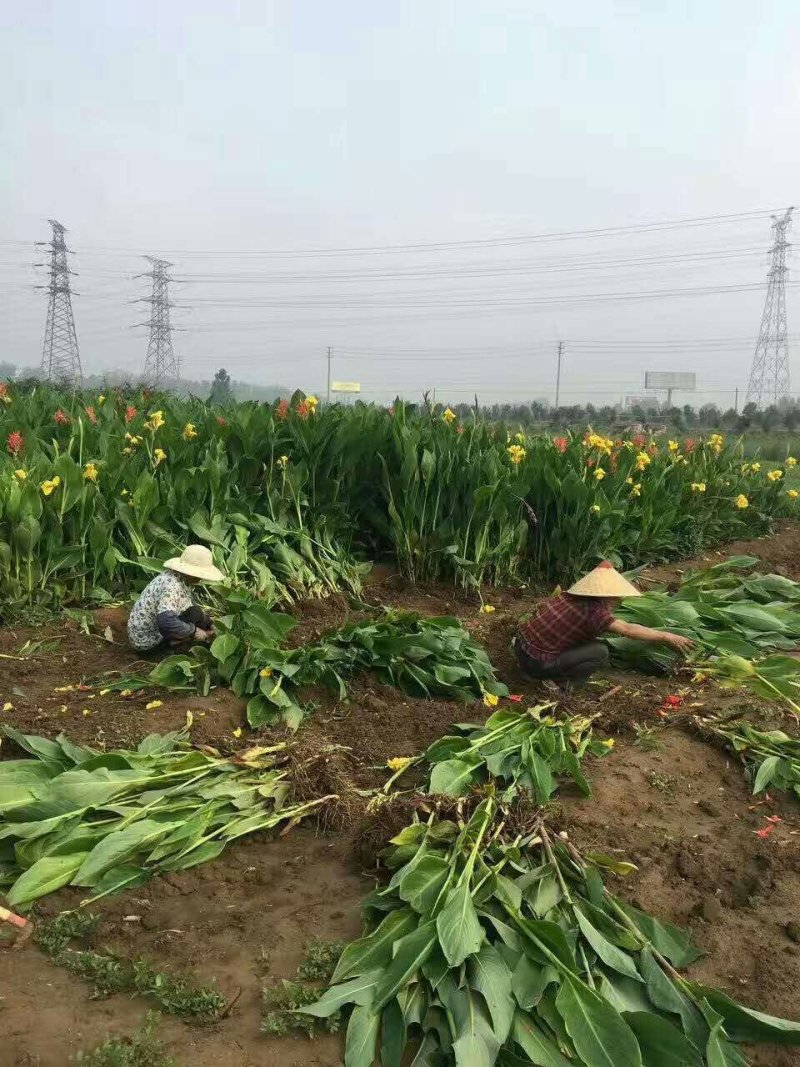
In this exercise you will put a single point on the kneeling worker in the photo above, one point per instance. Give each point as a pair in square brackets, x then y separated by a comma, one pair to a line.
[165, 613]
[560, 642]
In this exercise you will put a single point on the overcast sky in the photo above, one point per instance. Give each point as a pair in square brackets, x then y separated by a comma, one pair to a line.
[225, 136]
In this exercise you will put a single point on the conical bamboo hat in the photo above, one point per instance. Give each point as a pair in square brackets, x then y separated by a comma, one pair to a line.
[604, 581]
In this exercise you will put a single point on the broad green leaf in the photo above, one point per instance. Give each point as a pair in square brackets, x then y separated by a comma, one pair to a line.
[661, 1043]
[551, 935]
[489, 975]
[544, 894]
[224, 646]
[393, 1035]
[362, 1035]
[452, 777]
[18, 780]
[602, 1037]
[745, 1024]
[120, 846]
[411, 952]
[536, 1045]
[420, 887]
[669, 940]
[529, 981]
[610, 955]
[766, 772]
[543, 782]
[664, 994]
[359, 991]
[45, 876]
[126, 876]
[460, 933]
[374, 952]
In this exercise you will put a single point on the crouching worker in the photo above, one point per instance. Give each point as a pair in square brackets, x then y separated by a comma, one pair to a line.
[560, 643]
[165, 613]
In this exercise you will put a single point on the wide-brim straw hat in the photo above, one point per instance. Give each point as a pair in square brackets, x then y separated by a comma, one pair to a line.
[604, 581]
[197, 562]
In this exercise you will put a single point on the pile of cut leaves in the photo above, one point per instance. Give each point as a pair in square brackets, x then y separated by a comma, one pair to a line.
[108, 821]
[743, 624]
[483, 950]
[771, 757]
[425, 657]
[527, 750]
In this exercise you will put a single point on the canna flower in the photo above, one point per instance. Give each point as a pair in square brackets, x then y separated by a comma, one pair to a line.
[133, 439]
[643, 461]
[61, 418]
[602, 444]
[281, 462]
[4, 396]
[560, 444]
[608, 743]
[90, 472]
[91, 415]
[599, 474]
[490, 700]
[629, 481]
[156, 421]
[399, 763]
[673, 446]
[312, 402]
[459, 429]
[517, 453]
[689, 445]
[448, 416]
[221, 421]
[755, 467]
[237, 733]
[159, 455]
[746, 468]
[189, 432]
[741, 501]
[674, 700]
[791, 461]
[153, 705]
[716, 443]
[698, 487]
[101, 400]
[15, 442]
[774, 476]
[130, 413]
[636, 489]
[49, 485]
[639, 441]
[303, 410]
[520, 438]
[595, 509]
[282, 410]
[265, 672]
[792, 494]
[21, 475]
[487, 609]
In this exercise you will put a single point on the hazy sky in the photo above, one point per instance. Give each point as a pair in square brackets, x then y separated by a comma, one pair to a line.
[225, 135]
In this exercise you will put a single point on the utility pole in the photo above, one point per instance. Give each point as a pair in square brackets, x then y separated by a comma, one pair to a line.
[61, 358]
[736, 401]
[329, 374]
[769, 376]
[161, 365]
[558, 371]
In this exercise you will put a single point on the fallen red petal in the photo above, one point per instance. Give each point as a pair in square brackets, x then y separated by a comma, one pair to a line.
[516, 697]
[764, 831]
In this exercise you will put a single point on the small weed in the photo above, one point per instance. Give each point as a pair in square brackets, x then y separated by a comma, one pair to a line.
[283, 1001]
[141, 1049]
[320, 960]
[263, 964]
[665, 783]
[646, 738]
[53, 937]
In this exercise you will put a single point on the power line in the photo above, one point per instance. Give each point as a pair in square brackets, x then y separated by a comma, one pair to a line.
[769, 377]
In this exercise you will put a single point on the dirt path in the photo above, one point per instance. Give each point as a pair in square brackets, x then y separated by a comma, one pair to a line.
[681, 812]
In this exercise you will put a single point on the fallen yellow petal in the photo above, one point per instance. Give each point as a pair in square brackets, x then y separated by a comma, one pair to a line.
[237, 732]
[398, 763]
[153, 704]
[8, 706]
[86, 712]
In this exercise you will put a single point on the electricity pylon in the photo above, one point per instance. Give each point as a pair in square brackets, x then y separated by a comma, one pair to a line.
[161, 364]
[61, 358]
[769, 376]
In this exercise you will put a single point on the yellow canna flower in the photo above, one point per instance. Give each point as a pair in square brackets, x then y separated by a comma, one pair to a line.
[608, 743]
[742, 501]
[312, 402]
[156, 421]
[520, 437]
[629, 481]
[774, 476]
[698, 487]
[517, 453]
[49, 485]
[636, 490]
[716, 442]
[399, 763]
[595, 508]
[90, 472]
[153, 705]
[189, 432]
[490, 700]
[792, 494]
[265, 672]
[159, 455]
[101, 400]
[487, 609]
[755, 467]
[281, 462]
[791, 461]
[642, 461]
[21, 474]
[673, 446]
[599, 474]
[448, 415]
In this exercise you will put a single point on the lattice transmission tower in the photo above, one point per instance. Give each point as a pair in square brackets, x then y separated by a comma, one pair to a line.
[769, 376]
[161, 365]
[61, 358]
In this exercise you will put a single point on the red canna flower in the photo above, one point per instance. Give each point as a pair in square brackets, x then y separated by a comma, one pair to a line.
[590, 462]
[91, 415]
[130, 413]
[689, 445]
[15, 443]
[61, 418]
[303, 409]
[672, 701]
[639, 440]
[459, 430]
[561, 443]
[282, 409]
[221, 421]
[3, 389]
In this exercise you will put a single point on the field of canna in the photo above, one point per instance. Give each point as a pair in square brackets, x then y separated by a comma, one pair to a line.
[295, 498]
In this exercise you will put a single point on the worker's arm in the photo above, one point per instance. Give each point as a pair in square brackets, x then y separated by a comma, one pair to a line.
[646, 633]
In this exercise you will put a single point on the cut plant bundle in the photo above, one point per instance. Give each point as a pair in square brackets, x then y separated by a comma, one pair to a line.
[108, 821]
[422, 656]
[520, 749]
[487, 950]
[771, 757]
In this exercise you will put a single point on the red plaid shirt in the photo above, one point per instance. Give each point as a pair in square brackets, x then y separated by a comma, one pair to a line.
[563, 622]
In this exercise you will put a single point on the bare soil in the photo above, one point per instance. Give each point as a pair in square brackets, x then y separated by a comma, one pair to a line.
[682, 812]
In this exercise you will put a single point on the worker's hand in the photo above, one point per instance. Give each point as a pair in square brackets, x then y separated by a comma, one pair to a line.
[202, 635]
[680, 644]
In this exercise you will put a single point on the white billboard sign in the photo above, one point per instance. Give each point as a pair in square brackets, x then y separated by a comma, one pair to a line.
[661, 379]
[346, 387]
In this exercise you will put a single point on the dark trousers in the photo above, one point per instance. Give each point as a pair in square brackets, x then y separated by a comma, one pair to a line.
[573, 667]
[197, 617]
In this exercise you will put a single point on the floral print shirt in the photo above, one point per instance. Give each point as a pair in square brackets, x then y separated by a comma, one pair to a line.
[167, 593]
